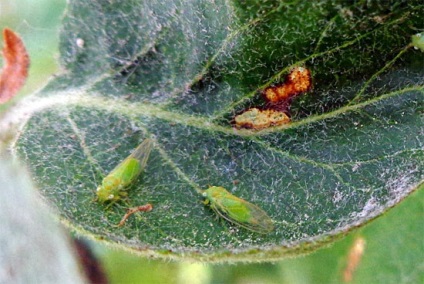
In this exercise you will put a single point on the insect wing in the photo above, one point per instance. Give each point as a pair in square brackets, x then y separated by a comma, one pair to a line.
[134, 164]
[243, 213]
[260, 221]
[142, 152]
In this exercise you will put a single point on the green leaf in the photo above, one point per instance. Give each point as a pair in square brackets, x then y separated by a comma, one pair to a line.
[395, 245]
[179, 71]
[392, 253]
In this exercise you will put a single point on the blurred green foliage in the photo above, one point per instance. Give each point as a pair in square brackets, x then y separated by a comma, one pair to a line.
[394, 251]
[38, 23]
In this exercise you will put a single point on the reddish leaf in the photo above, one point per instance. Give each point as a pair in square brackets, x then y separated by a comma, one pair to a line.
[15, 70]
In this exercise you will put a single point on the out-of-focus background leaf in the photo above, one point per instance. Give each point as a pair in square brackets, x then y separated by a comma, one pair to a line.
[33, 248]
[394, 243]
[37, 22]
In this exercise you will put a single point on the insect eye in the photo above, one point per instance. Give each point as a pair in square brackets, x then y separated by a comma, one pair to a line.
[110, 197]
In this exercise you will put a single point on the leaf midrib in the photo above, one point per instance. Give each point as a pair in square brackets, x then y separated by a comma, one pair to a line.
[134, 110]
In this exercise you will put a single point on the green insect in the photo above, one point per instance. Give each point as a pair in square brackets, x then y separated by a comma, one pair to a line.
[114, 184]
[418, 41]
[237, 210]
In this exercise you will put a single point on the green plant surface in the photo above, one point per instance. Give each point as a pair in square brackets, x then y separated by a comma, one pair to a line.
[393, 253]
[179, 71]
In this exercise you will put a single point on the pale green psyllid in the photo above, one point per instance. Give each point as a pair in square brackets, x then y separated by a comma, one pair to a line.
[115, 183]
[237, 210]
[418, 41]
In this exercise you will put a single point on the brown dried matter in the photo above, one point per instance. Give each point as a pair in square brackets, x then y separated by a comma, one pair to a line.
[143, 208]
[279, 97]
[16, 63]
[297, 82]
[259, 119]
[354, 258]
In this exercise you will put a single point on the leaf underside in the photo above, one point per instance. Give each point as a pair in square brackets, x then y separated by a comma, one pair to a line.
[178, 72]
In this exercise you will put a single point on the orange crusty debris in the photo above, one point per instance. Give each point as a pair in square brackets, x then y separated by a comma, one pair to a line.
[298, 81]
[279, 98]
[259, 119]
